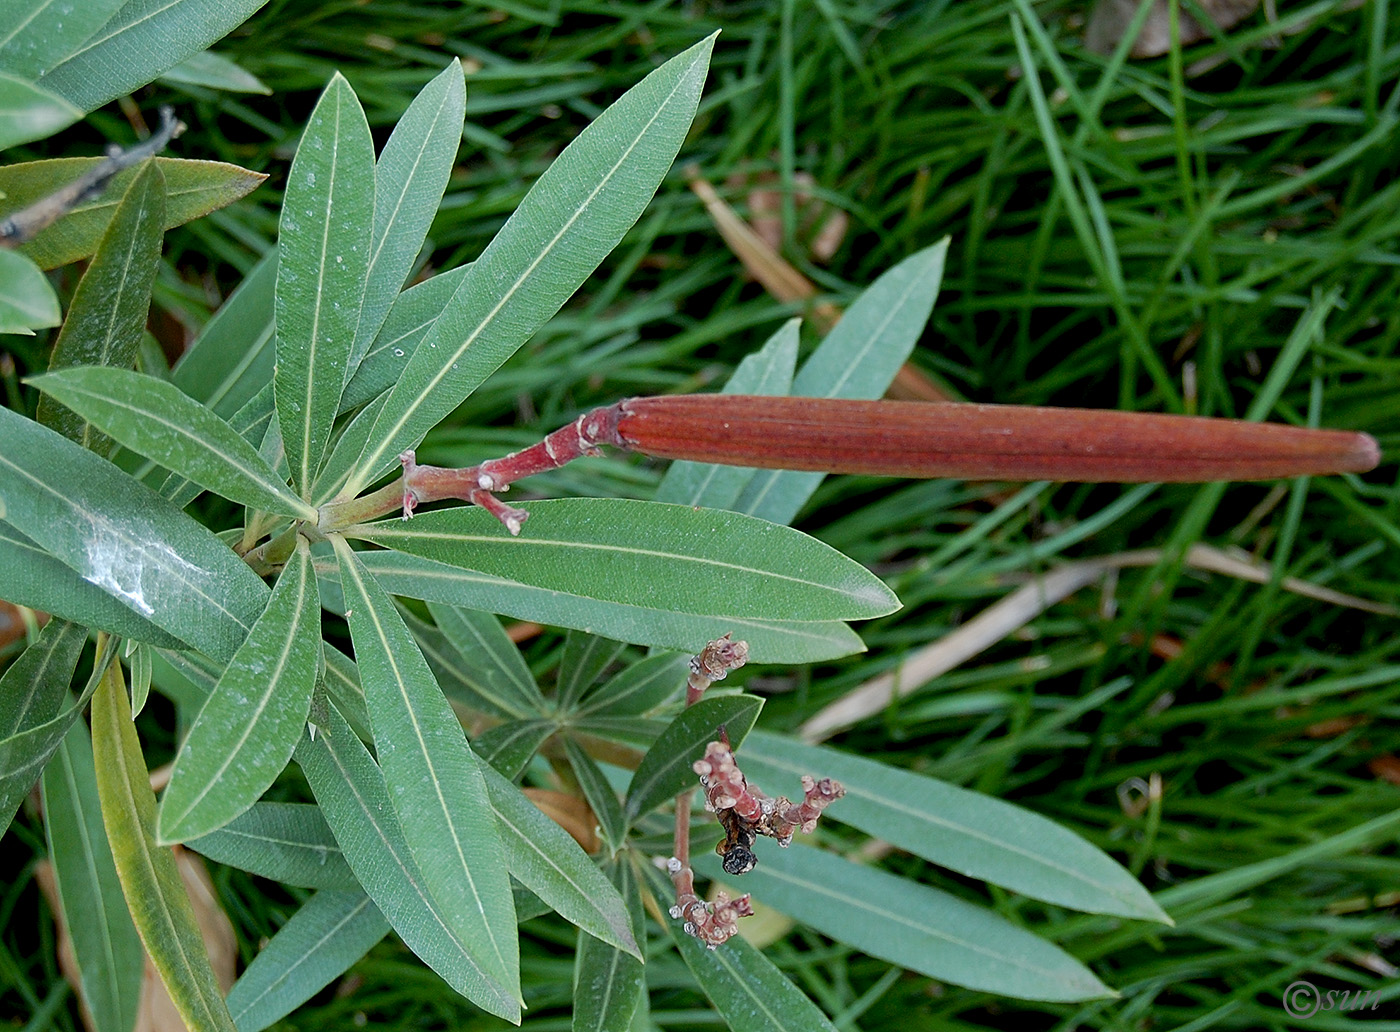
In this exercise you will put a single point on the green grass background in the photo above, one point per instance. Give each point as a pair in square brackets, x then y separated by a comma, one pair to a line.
[1125, 235]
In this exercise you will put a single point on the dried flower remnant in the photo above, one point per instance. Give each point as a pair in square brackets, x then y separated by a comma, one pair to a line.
[746, 812]
[712, 922]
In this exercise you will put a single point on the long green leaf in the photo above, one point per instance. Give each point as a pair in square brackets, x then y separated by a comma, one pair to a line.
[245, 734]
[608, 983]
[510, 747]
[600, 795]
[252, 422]
[700, 561]
[32, 717]
[143, 39]
[665, 771]
[408, 322]
[27, 299]
[641, 687]
[231, 359]
[492, 656]
[215, 72]
[35, 35]
[968, 832]
[108, 313]
[744, 985]
[126, 539]
[322, 262]
[409, 180]
[346, 451]
[571, 218]
[461, 680]
[150, 880]
[192, 189]
[105, 944]
[766, 371]
[585, 658]
[156, 419]
[545, 859]
[35, 685]
[29, 112]
[284, 842]
[857, 359]
[433, 778]
[317, 945]
[770, 641]
[29, 576]
[350, 788]
[913, 925]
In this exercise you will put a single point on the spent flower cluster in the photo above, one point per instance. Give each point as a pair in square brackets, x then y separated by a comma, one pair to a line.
[743, 810]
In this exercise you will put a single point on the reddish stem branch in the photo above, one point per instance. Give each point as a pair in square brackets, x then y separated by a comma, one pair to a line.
[710, 922]
[891, 438]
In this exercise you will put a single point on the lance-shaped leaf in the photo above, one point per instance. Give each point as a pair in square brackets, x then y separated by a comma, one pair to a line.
[29, 112]
[322, 261]
[608, 983]
[27, 300]
[770, 641]
[432, 777]
[231, 359]
[252, 423]
[408, 322]
[767, 371]
[155, 418]
[150, 880]
[571, 218]
[35, 685]
[488, 650]
[246, 732]
[744, 985]
[41, 33]
[971, 833]
[546, 860]
[641, 687]
[141, 40]
[317, 945]
[510, 747]
[704, 561]
[666, 771]
[32, 721]
[913, 925]
[105, 944]
[126, 539]
[215, 72]
[600, 795]
[461, 680]
[284, 842]
[857, 359]
[33, 578]
[108, 313]
[192, 189]
[585, 658]
[409, 179]
[985, 442]
[350, 788]
[346, 451]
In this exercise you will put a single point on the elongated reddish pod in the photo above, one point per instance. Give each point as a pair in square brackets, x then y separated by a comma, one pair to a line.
[981, 442]
[894, 438]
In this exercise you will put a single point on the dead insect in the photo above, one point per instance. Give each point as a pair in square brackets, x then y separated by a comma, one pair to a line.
[737, 845]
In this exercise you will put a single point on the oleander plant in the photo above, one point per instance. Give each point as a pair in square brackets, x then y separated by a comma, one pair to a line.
[249, 538]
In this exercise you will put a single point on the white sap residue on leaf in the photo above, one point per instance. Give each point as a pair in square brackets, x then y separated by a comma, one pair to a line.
[120, 567]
